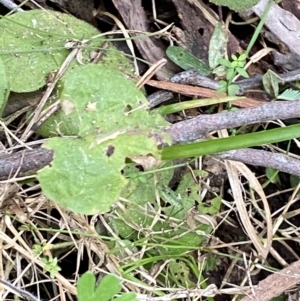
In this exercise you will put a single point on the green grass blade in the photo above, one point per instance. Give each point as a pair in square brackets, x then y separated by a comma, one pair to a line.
[177, 107]
[231, 143]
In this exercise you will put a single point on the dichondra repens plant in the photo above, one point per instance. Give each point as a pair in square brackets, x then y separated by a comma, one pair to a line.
[100, 106]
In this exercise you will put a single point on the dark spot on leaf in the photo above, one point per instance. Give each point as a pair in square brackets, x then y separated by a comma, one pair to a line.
[127, 109]
[110, 150]
[181, 54]
[188, 191]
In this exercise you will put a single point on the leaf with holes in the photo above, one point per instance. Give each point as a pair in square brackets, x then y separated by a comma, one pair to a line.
[114, 127]
[96, 99]
[86, 177]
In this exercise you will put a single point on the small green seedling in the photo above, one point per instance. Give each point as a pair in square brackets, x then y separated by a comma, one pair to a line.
[107, 290]
[233, 68]
[51, 266]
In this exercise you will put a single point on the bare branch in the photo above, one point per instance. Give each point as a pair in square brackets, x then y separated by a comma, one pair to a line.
[193, 129]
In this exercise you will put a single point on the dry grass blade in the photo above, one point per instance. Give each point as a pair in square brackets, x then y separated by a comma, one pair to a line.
[150, 72]
[25, 252]
[28, 131]
[233, 169]
[128, 40]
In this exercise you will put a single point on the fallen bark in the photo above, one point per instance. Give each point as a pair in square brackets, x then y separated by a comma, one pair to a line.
[276, 284]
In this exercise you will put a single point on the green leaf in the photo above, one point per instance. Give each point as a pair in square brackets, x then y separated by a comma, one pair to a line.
[86, 286]
[225, 63]
[242, 72]
[85, 176]
[126, 297]
[272, 175]
[86, 173]
[243, 57]
[186, 60]
[106, 290]
[230, 74]
[223, 86]
[217, 45]
[271, 83]
[230, 143]
[289, 94]
[34, 41]
[181, 274]
[4, 87]
[236, 5]
[108, 287]
[137, 213]
[234, 64]
[241, 64]
[232, 89]
[91, 104]
[214, 207]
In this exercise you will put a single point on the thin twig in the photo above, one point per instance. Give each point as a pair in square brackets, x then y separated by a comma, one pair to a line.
[11, 5]
[17, 290]
[28, 132]
[193, 129]
[192, 77]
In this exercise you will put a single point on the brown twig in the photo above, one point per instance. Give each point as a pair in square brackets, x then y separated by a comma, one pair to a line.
[263, 158]
[190, 130]
[28, 162]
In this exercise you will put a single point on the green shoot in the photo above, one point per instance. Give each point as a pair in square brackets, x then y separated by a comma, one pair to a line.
[233, 68]
[108, 288]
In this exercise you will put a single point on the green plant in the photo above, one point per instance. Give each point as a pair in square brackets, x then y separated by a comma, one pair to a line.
[236, 5]
[108, 288]
[186, 60]
[233, 68]
[87, 174]
[51, 266]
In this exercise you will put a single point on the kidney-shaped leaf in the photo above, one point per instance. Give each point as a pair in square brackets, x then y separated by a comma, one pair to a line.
[34, 42]
[97, 99]
[86, 174]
